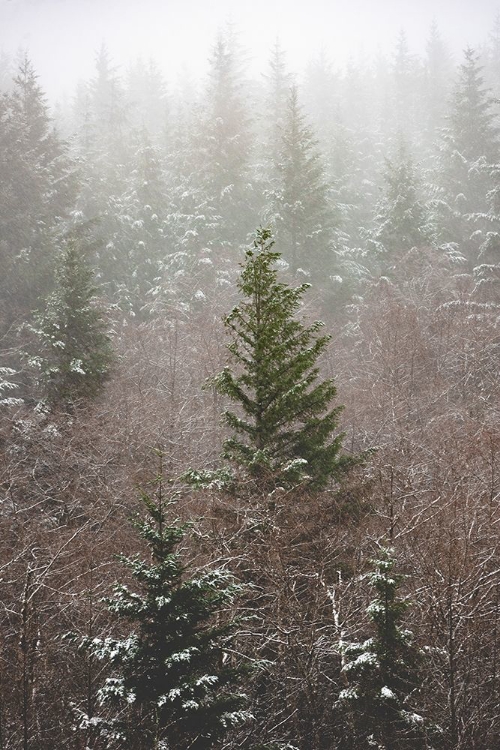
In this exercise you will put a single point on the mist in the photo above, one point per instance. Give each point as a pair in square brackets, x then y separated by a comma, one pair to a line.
[63, 36]
[249, 375]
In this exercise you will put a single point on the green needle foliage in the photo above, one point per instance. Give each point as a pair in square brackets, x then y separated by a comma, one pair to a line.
[383, 674]
[285, 430]
[74, 350]
[174, 683]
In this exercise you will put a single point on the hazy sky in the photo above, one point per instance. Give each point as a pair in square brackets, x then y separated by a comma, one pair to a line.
[62, 36]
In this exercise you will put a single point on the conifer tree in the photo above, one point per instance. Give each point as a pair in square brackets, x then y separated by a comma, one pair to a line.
[382, 673]
[37, 188]
[300, 199]
[223, 142]
[7, 387]
[74, 349]
[147, 99]
[402, 220]
[174, 684]
[286, 429]
[277, 82]
[437, 76]
[139, 237]
[470, 147]
[404, 78]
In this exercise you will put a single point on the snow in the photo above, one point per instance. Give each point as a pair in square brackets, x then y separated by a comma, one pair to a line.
[76, 365]
[348, 694]
[387, 693]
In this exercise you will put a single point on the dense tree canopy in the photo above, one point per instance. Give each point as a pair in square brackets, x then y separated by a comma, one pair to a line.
[269, 561]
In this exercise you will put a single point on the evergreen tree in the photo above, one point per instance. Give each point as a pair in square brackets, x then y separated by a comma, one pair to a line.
[300, 200]
[103, 145]
[6, 73]
[402, 221]
[487, 271]
[223, 142]
[146, 95]
[278, 82]
[285, 431]
[382, 673]
[7, 387]
[492, 67]
[437, 77]
[174, 685]
[74, 351]
[139, 237]
[37, 190]
[470, 146]
[405, 80]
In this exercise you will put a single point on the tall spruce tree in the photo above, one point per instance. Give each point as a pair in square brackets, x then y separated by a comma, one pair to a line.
[174, 685]
[223, 142]
[37, 190]
[436, 82]
[470, 146]
[286, 430]
[402, 220]
[382, 674]
[301, 210]
[277, 83]
[405, 80]
[74, 351]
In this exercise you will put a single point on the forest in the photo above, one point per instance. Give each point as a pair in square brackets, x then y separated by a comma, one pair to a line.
[250, 403]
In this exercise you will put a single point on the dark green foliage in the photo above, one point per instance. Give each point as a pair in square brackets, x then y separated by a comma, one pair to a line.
[286, 428]
[175, 684]
[75, 352]
[382, 673]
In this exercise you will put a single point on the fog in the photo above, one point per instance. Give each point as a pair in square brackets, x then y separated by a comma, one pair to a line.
[62, 36]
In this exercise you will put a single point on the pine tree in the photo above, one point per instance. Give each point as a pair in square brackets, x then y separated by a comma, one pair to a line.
[286, 430]
[74, 351]
[300, 199]
[174, 684]
[382, 673]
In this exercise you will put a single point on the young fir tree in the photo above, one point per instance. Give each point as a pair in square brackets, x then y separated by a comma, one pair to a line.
[382, 674]
[174, 684]
[74, 349]
[286, 429]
